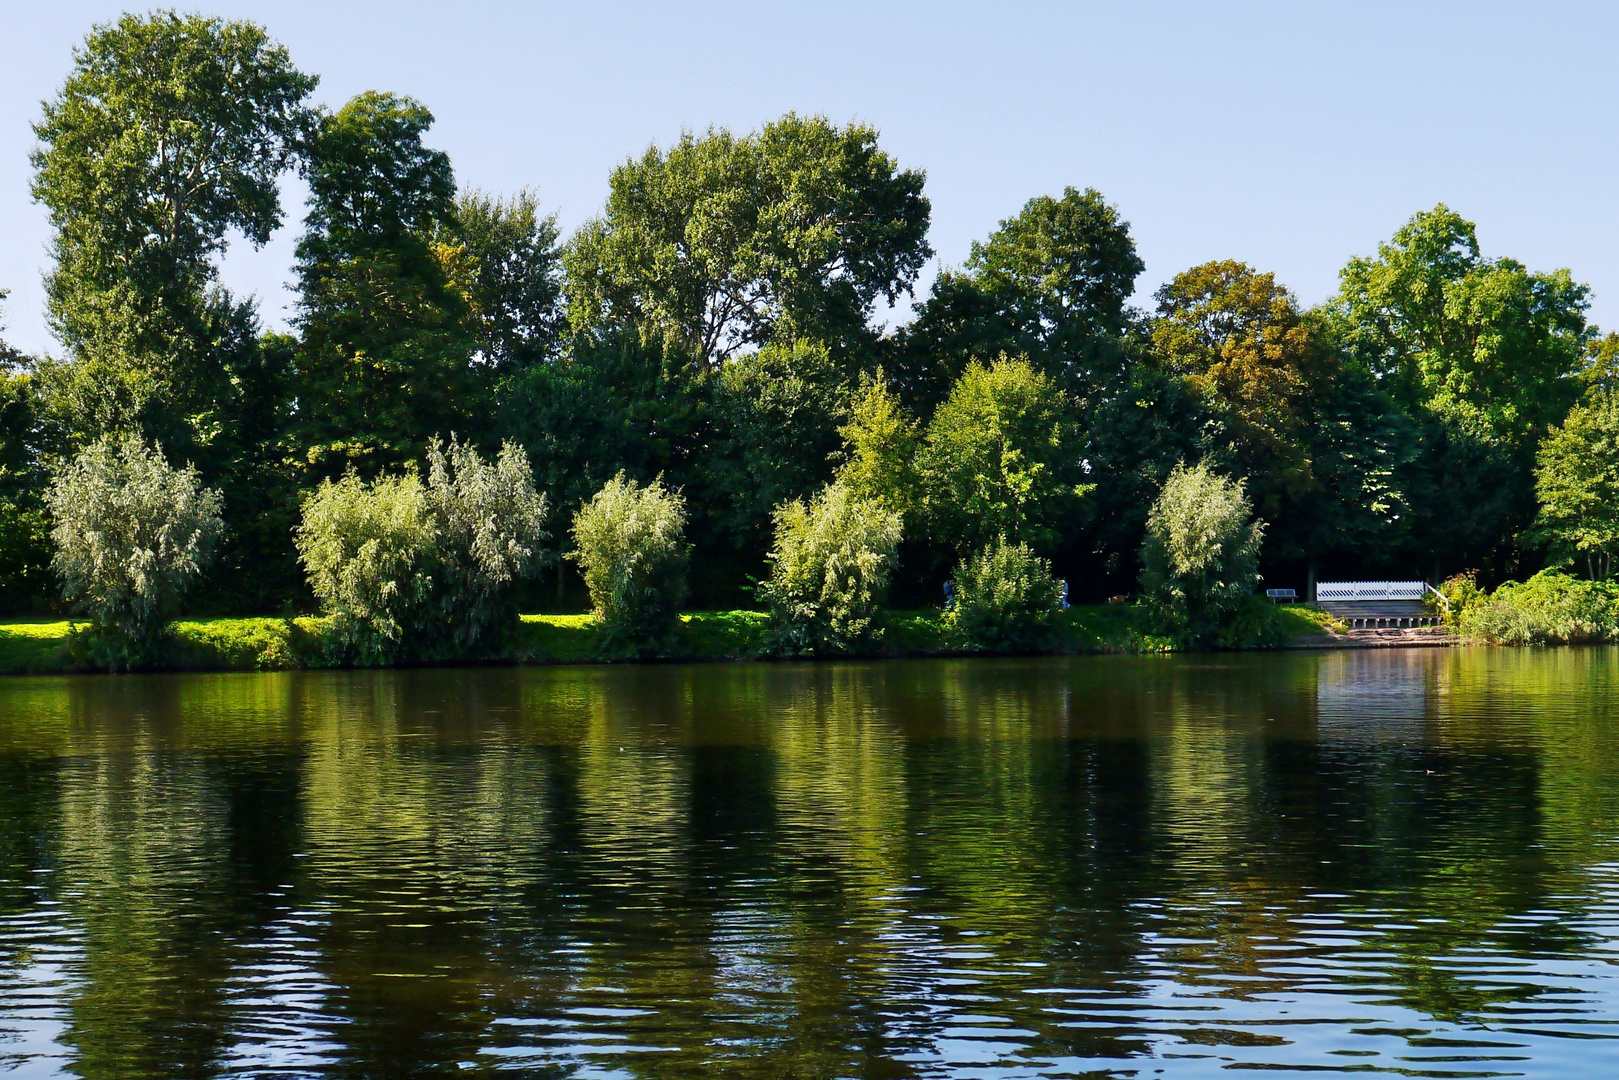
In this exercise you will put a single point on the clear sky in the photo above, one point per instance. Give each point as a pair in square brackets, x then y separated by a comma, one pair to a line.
[1290, 135]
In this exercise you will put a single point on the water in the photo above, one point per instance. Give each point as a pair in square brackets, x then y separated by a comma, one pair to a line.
[1404, 861]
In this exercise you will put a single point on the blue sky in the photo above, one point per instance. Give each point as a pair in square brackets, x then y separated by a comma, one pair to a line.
[1292, 136]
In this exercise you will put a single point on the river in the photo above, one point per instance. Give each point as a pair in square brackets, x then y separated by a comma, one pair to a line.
[1402, 861]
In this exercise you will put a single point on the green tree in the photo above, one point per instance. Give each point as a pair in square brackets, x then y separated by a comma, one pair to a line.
[1200, 560]
[880, 443]
[630, 544]
[1577, 482]
[515, 268]
[370, 551]
[1317, 442]
[1052, 284]
[724, 243]
[132, 534]
[777, 412]
[170, 133]
[25, 550]
[387, 351]
[1485, 354]
[490, 525]
[998, 459]
[1005, 599]
[829, 572]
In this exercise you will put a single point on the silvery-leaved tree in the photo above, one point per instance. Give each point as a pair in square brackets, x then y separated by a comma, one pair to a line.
[630, 544]
[132, 533]
[491, 534]
[1200, 560]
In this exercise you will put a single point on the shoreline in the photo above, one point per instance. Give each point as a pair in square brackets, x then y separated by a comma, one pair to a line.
[281, 644]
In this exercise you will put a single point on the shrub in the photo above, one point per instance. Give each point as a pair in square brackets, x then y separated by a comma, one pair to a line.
[1461, 592]
[829, 570]
[629, 542]
[1550, 608]
[1005, 600]
[132, 534]
[1200, 559]
[369, 550]
[491, 534]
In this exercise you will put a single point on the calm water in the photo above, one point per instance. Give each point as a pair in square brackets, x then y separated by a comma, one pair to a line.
[1404, 861]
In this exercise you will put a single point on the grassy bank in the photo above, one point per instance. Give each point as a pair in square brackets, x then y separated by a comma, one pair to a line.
[258, 644]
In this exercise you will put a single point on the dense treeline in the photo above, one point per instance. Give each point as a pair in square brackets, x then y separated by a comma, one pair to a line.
[713, 335]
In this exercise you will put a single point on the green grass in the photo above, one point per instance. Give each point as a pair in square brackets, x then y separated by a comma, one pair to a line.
[259, 644]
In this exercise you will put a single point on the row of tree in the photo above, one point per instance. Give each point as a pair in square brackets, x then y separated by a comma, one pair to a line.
[715, 329]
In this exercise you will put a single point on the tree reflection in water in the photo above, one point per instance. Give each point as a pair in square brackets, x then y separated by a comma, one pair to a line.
[1034, 867]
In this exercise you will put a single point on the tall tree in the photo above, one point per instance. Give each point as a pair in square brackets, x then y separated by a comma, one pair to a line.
[515, 269]
[171, 131]
[1052, 284]
[387, 350]
[724, 243]
[1577, 482]
[24, 536]
[1485, 353]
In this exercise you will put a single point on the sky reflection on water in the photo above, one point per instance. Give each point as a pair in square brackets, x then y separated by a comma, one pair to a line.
[1396, 861]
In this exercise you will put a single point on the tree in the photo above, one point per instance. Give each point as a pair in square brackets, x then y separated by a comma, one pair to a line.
[490, 525]
[1484, 354]
[370, 551]
[998, 459]
[515, 271]
[829, 572]
[777, 412]
[880, 442]
[1577, 482]
[1318, 444]
[25, 549]
[1200, 559]
[721, 243]
[1051, 284]
[170, 133]
[630, 544]
[132, 534]
[386, 357]
[1005, 598]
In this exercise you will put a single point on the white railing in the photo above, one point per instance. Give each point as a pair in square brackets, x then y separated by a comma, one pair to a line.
[1342, 591]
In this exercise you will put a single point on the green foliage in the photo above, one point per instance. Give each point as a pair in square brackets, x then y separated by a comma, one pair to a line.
[408, 570]
[630, 544]
[777, 416]
[25, 549]
[1461, 593]
[132, 534]
[171, 131]
[369, 551]
[1200, 560]
[1550, 608]
[386, 356]
[880, 443]
[1577, 481]
[829, 571]
[723, 243]
[997, 459]
[514, 275]
[1005, 599]
[1050, 284]
[490, 534]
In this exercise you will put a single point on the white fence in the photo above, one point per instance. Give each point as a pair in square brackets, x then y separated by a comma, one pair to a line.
[1327, 591]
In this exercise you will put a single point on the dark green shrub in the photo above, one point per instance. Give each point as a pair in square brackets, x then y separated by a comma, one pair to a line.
[1005, 600]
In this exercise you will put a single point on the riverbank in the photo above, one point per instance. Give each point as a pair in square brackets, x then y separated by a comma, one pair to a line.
[262, 644]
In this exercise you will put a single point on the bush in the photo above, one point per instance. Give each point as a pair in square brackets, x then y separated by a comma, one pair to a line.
[629, 542]
[491, 534]
[1461, 592]
[1005, 600]
[132, 534]
[1550, 608]
[369, 552]
[1200, 559]
[829, 571]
